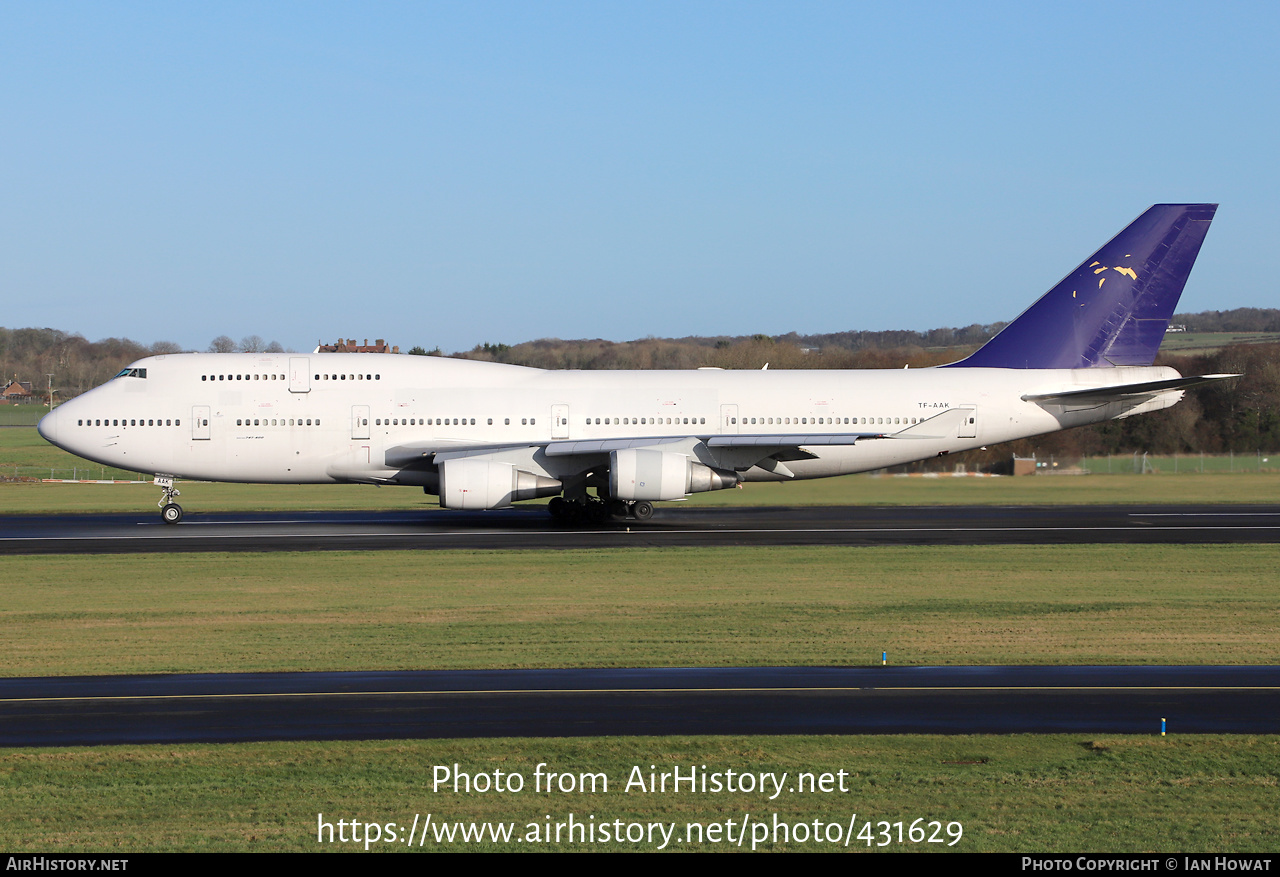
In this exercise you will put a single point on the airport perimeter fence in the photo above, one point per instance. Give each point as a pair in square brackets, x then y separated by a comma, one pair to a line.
[96, 474]
[1182, 464]
[21, 415]
[1258, 462]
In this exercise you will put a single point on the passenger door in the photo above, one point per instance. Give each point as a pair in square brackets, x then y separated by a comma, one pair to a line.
[200, 423]
[299, 374]
[359, 421]
[559, 421]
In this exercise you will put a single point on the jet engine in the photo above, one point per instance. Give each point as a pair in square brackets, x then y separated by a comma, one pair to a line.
[486, 484]
[648, 474]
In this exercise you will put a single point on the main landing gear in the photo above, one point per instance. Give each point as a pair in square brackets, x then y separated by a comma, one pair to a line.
[596, 511]
[170, 511]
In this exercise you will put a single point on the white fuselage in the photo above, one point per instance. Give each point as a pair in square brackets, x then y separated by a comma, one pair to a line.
[374, 418]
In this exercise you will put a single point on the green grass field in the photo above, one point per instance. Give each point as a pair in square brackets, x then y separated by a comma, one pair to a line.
[1208, 342]
[1064, 793]
[975, 605]
[1100, 604]
[645, 607]
[24, 454]
[21, 415]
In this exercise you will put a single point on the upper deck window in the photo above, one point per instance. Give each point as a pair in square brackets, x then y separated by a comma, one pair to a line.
[133, 373]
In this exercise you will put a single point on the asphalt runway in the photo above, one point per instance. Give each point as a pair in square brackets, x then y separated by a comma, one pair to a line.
[951, 700]
[674, 525]
[91, 711]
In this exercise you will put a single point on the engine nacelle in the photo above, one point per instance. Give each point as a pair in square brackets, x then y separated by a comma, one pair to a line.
[644, 473]
[486, 484]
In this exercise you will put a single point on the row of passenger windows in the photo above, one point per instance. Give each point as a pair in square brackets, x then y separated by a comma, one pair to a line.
[829, 421]
[273, 377]
[653, 421]
[134, 422]
[525, 421]
[532, 421]
[276, 421]
[644, 421]
[260, 377]
[445, 421]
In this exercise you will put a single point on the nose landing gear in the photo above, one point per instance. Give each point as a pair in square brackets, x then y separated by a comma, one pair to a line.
[170, 511]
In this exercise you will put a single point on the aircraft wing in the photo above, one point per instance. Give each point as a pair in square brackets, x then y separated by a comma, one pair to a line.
[426, 453]
[562, 448]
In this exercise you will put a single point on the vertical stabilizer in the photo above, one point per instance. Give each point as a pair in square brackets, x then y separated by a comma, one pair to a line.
[1113, 310]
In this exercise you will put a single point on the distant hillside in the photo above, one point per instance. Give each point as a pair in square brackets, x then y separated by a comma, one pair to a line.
[851, 349]
[749, 352]
[1238, 320]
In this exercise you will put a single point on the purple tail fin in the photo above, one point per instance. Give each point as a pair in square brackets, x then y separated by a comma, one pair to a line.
[1113, 310]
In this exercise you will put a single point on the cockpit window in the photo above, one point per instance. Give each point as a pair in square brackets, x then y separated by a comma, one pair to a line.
[133, 373]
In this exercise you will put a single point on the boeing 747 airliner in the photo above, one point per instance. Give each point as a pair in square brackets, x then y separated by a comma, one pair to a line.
[483, 435]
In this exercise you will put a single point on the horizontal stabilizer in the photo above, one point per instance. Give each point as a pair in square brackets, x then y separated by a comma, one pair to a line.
[1123, 391]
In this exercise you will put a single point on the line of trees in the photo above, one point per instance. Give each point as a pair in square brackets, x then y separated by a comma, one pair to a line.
[78, 364]
[247, 344]
[751, 352]
[1237, 320]
[793, 350]
[1240, 415]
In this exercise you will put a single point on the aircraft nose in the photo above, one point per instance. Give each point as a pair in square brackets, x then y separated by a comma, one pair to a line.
[48, 427]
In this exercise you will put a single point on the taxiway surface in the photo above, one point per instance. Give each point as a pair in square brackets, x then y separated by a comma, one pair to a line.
[68, 711]
[530, 527]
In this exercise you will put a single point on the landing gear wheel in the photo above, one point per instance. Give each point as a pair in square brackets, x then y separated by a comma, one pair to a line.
[556, 507]
[597, 512]
[642, 510]
[617, 508]
[170, 511]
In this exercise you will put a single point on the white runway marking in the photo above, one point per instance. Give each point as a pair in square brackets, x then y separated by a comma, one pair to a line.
[1204, 514]
[451, 692]
[650, 533]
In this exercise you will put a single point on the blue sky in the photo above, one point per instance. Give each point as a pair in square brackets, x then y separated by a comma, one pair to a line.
[447, 174]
